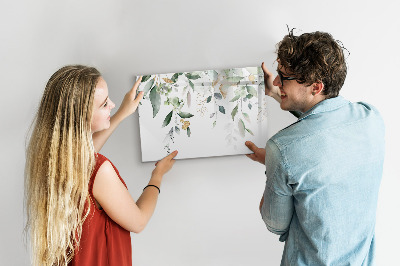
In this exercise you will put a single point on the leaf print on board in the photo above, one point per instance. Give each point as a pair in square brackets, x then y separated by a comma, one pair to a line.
[247, 117]
[167, 119]
[248, 130]
[241, 128]
[224, 89]
[206, 99]
[218, 96]
[175, 77]
[234, 112]
[251, 90]
[235, 98]
[148, 86]
[185, 115]
[168, 80]
[155, 100]
[191, 84]
[234, 79]
[145, 78]
[175, 102]
[192, 76]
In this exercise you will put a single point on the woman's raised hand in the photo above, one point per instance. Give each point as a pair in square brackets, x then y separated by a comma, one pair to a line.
[131, 100]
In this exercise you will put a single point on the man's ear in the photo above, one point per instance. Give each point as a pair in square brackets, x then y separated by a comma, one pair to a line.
[317, 88]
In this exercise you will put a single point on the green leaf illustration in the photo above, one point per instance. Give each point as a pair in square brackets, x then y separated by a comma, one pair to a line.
[234, 79]
[177, 130]
[215, 122]
[175, 102]
[192, 76]
[238, 71]
[247, 117]
[249, 96]
[148, 86]
[235, 98]
[145, 78]
[191, 84]
[234, 112]
[185, 115]
[175, 76]
[209, 99]
[215, 75]
[188, 131]
[167, 119]
[218, 96]
[251, 90]
[155, 100]
[221, 109]
[250, 106]
[241, 127]
[248, 130]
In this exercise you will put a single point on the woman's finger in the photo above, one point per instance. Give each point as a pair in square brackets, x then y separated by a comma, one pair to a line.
[136, 85]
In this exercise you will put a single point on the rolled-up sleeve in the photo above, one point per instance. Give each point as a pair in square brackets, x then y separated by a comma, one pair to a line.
[277, 209]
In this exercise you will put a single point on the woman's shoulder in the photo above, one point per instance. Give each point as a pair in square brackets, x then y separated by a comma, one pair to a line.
[105, 167]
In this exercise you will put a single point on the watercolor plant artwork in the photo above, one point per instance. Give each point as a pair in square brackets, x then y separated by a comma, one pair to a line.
[202, 113]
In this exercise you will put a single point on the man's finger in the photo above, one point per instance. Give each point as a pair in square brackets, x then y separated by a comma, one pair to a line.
[251, 146]
[265, 69]
[251, 156]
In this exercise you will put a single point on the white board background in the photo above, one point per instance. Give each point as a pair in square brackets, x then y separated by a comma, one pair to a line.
[208, 208]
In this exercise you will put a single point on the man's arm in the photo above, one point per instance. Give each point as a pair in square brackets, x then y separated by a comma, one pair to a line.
[276, 205]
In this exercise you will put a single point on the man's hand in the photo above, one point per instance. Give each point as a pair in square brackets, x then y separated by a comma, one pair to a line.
[259, 153]
[270, 89]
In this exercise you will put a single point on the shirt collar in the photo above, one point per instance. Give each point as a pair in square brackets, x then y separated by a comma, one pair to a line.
[325, 106]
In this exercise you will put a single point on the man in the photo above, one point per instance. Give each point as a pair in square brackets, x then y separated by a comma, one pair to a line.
[323, 171]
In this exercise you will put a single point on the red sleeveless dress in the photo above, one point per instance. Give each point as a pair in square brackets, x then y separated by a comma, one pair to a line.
[103, 241]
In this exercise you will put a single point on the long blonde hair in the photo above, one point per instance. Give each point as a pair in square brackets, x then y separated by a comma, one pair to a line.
[59, 161]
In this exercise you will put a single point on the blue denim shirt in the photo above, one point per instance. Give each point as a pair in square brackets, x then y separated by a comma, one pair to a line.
[323, 176]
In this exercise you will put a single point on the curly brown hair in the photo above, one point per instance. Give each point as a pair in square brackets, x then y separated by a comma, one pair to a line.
[314, 57]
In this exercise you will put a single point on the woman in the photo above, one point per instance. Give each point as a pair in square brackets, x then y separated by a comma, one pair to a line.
[78, 207]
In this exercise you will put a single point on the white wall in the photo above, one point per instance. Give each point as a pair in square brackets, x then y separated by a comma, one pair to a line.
[208, 208]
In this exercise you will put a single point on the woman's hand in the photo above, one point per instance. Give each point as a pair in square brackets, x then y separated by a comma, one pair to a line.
[270, 89]
[164, 165]
[131, 101]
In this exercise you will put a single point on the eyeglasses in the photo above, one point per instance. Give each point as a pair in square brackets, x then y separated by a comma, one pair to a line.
[282, 78]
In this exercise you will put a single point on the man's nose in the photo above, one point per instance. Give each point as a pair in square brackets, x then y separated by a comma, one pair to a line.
[277, 81]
